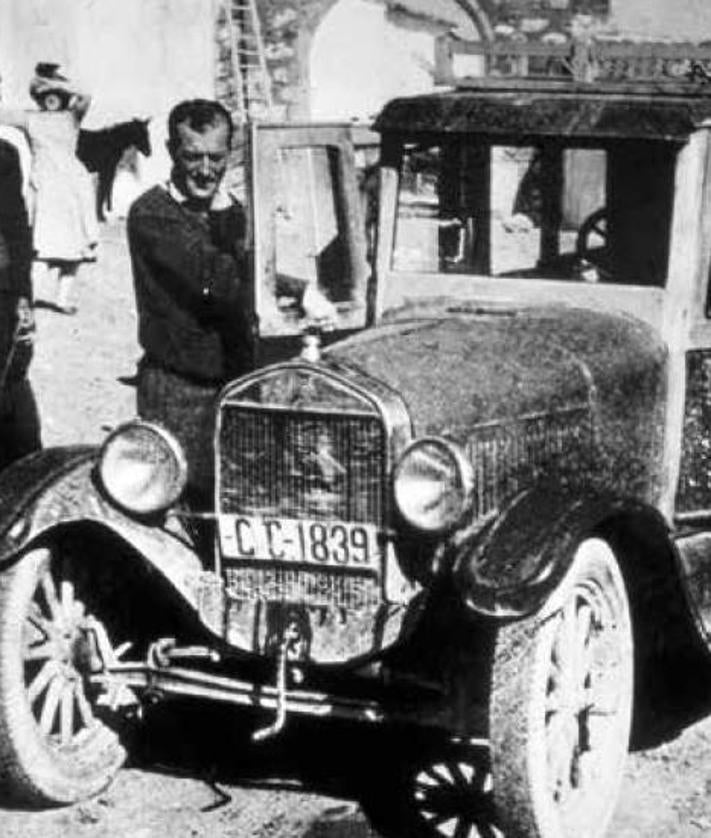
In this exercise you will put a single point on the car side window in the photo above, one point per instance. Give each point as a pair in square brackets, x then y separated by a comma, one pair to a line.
[499, 210]
[549, 211]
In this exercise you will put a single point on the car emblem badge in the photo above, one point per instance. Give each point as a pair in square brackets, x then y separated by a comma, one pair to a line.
[326, 463]
[323, 472]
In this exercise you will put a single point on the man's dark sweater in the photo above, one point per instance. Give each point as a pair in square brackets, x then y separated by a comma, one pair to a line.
[191, 292]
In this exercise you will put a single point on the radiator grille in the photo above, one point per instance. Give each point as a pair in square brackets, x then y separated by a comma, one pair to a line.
[302, 464]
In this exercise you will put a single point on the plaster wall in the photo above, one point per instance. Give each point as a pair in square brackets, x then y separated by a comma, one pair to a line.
[363, 53]
[664, 19]
[359, 59]
[136, 58]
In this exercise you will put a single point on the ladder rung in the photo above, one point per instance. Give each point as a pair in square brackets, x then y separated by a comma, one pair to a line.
[243, 26]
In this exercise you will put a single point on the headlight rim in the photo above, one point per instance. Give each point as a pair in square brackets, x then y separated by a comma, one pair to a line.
[176, 451]
[465, 471]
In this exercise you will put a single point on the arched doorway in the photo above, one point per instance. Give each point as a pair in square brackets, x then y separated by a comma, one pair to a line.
[481, 18]
[364, 52]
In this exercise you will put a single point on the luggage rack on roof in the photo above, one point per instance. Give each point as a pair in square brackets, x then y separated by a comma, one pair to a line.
[678, 68]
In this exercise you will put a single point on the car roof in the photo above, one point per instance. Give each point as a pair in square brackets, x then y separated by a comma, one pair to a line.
[523, 108]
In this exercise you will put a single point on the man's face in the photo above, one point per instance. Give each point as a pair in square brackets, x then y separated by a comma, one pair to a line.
[200, 160]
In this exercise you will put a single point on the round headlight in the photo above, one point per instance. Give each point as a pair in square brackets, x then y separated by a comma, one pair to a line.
[142, 468]
[433, 484]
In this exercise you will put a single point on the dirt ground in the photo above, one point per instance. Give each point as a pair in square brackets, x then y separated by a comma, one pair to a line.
[192, 776]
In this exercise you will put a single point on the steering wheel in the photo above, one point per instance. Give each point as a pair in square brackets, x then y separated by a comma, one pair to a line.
[592, 242]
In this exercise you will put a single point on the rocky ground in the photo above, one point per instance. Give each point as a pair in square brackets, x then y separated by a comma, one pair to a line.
[194, 774]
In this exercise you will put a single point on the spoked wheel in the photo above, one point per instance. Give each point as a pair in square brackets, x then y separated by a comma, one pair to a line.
[56, 740]
[561, 705]
[452, 796]
[444, 791]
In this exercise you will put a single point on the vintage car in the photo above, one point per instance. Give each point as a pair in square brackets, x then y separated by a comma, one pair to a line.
[479, 508]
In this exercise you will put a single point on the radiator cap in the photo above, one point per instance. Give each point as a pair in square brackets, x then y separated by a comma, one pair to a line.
[311, 347]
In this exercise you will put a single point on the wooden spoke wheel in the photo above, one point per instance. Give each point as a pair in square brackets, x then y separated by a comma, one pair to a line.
[452, 795]
[57, 744]
[561, 705]
[443, 790]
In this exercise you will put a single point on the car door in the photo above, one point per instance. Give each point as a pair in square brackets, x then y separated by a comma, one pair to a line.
[307, 229]
[692, 507]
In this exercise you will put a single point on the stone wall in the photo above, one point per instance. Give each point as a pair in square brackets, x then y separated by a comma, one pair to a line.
[289, 28]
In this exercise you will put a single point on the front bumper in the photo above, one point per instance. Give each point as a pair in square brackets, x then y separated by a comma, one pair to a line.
[371, 699]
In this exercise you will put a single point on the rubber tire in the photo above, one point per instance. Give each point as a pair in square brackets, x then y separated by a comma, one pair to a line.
[31, 770]
[522, 673]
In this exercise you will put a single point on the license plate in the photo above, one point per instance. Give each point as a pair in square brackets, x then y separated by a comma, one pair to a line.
[298, 541]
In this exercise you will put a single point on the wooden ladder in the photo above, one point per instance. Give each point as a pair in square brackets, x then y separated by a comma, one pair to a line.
[243, 83]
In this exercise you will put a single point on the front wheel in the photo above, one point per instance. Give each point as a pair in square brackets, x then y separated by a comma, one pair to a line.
[561, 703]
[56, 745]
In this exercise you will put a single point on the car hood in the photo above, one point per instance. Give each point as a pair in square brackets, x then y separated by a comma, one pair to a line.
[457, 371]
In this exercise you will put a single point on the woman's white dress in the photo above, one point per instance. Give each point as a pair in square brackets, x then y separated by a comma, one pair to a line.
[63, 211]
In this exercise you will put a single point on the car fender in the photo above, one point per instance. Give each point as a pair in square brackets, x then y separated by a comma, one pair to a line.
[58, 488]
[512, 568]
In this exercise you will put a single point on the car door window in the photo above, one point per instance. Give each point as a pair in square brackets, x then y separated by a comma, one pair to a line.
[308, 227]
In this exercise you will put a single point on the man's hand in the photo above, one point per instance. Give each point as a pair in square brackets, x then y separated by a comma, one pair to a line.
[25, 317]
[319, 310]
[221, 200]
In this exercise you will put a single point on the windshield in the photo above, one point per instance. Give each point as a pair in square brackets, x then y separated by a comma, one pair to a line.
[551, 211]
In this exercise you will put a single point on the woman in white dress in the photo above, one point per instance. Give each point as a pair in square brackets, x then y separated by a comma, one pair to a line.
[64, 224]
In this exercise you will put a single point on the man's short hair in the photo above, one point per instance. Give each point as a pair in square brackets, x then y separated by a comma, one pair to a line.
[199, 114]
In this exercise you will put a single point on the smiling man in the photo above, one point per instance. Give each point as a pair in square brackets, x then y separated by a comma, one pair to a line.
[192, 285]
[186, 240]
